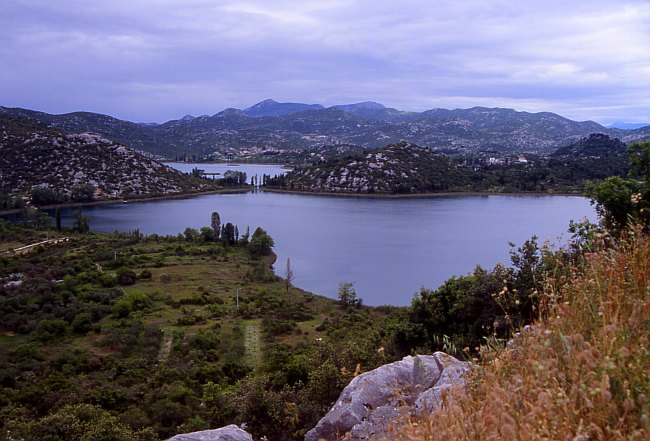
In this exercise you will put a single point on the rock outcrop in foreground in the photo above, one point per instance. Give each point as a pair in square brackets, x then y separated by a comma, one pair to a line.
[228, 433]
[375, 400]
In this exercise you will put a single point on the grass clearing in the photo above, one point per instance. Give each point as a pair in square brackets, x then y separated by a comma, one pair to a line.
[253, 343]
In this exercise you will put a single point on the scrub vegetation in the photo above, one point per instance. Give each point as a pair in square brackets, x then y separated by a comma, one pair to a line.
[131, 337]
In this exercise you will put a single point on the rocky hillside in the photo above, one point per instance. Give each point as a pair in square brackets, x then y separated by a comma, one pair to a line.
[405, 168]
[398, 168]
[275, 127]
[34, 156]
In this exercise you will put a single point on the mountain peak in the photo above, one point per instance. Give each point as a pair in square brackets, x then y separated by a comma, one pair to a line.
[229, 111]
[365, 105]
[271, 107]
[264, 103]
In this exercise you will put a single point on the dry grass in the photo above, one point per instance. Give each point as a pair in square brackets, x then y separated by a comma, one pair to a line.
[582, 373]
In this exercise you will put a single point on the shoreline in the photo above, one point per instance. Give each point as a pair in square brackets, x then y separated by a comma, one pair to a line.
[419, 195]
[135, 199]
[296, 192]
[233, 164]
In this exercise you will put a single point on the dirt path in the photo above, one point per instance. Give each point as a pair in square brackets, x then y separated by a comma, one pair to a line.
[165, 349]
[28, 248]
[253, 343]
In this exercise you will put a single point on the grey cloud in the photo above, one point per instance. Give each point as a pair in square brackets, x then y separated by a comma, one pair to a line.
[156, 60]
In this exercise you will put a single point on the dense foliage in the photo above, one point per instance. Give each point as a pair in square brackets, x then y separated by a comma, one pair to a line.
[149, 336]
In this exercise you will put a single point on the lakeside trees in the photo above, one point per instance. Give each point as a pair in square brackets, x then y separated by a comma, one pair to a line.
[620, 201]
[348, 296]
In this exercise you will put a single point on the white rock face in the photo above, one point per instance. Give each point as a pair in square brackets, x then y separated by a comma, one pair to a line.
[453, 371]
[375, 400]
[228, 433]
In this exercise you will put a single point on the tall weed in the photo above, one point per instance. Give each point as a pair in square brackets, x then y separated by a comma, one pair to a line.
[582, 372]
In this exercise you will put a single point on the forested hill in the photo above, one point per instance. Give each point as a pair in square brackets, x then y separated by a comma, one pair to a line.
[595, 145]
[58, 167]
[406, 168]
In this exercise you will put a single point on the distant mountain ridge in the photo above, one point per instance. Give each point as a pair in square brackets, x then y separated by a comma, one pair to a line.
[270, 126]
[627, 125]
[273, 108]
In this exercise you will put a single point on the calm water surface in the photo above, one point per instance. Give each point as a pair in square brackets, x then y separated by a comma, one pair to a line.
[250, 169]
[389, 248]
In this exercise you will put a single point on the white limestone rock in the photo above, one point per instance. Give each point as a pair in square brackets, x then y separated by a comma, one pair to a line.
[376, 399]
[228, 433]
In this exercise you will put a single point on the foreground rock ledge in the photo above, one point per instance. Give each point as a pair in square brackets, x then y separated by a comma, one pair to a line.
[228, 433]
[375, 400]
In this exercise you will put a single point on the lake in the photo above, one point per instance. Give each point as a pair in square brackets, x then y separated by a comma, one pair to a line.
[250, 169]
[387, 247]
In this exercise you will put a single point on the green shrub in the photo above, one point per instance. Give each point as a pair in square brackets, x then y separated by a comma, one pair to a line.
[82, 322]
[122, 309]
[126, 276]
[50, 329]
[108, 280]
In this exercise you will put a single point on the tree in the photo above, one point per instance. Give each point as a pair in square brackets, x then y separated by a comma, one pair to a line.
[228, 233]
[45, 196]
[191, 235]
[81, 223]
[288, 275]
[57, 217]
[639, 160]
[206, 234]
[215, 223]
[260, 244]
[42, 220]
[126, 276]
[82, 193]
[463, 310]
[613, 200]
[243, 241]
[619, 200]
[232, 178]
[348, 296]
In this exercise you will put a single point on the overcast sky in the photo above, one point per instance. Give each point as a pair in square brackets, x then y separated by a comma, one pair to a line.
[159, 60]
